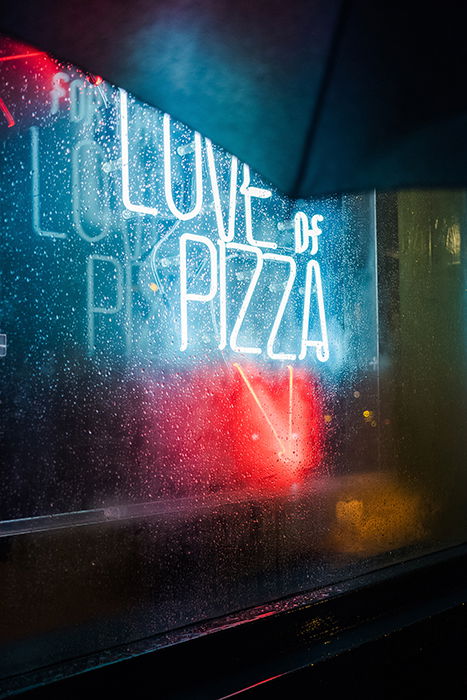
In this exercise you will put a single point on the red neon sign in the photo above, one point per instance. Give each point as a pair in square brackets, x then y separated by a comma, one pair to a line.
[7, 113]
[230, 427]
[17, 56]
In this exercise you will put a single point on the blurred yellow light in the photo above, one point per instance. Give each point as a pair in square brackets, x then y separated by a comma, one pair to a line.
[153, 286]
[327, 418]
[366, 414]
[374, 516]
[349, 512]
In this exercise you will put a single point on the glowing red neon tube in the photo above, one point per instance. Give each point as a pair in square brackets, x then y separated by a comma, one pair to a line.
[7, 113]
[22, 55]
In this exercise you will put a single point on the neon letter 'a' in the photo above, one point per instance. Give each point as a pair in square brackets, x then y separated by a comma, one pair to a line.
[322, 345]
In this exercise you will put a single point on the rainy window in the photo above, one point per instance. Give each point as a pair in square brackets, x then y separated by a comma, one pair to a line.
[214, 396]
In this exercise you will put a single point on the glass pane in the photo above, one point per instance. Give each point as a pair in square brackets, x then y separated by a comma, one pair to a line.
[215, 396]
[423, 355]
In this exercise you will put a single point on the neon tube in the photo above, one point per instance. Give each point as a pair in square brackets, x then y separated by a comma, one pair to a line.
[280, 312]
[22, 55]
[290, 368]
[258, 403]
[36, 194]
[246, 301]
[8, 115]
[139, 208]
[185, 296]
[168, 178]
[248, 192]
[321, 346]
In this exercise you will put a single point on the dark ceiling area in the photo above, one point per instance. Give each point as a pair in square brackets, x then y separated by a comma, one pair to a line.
[317, 96]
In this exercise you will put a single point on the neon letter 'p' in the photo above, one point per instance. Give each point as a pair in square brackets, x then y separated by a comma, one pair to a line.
[186, 296]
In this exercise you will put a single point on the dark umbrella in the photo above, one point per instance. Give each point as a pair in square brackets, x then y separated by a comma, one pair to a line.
[317, 96]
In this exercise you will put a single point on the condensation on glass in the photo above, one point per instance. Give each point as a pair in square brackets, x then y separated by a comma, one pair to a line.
[214, 396]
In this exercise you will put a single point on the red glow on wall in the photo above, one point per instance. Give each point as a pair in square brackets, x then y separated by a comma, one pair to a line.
[277, 429]
[26, 76]
[203, 430]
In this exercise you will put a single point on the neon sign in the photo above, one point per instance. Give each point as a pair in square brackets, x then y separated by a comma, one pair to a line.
[306, 239]
[189, 255]
[163, 287]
